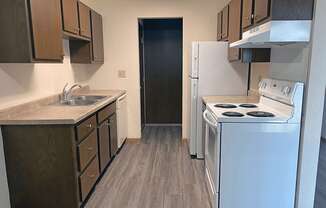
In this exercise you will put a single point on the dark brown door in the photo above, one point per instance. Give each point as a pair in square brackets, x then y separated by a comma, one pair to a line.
[163, 71]
[262, 10]
[219, 26]
[247, 6]
[97, 37]
[70, 16]
[46, 29]
[84, 20]
[234, 28]
[113, 134]
[104, 144]
[225, 23]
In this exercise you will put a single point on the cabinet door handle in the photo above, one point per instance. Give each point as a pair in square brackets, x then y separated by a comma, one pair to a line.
[90, 148]
[92, 176]
[89, 126]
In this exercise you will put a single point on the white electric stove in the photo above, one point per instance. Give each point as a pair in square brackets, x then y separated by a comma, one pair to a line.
[251, 152]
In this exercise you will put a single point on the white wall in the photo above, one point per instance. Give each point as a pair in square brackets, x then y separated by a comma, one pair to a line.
[23, 82]
[121, 43]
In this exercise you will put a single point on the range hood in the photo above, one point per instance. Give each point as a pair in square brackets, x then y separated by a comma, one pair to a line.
[275, 34]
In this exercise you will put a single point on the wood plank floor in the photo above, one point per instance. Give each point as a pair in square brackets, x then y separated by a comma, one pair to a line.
[157, 173]
[320, 195]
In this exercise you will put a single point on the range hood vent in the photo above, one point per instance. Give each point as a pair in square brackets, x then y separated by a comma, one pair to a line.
[276, 34]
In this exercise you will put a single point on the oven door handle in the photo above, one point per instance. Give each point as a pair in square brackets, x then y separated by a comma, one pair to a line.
[208, 121]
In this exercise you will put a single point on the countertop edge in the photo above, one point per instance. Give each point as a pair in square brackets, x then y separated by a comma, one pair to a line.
[68, 121]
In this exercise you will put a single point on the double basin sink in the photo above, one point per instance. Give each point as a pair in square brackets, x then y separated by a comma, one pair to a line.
[82, 100]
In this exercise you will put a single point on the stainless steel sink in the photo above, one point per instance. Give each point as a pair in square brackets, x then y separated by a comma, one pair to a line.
[82, 100]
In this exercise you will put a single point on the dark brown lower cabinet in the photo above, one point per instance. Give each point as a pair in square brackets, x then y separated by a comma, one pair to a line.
[113, 134]
[104, 144]
[58, 165]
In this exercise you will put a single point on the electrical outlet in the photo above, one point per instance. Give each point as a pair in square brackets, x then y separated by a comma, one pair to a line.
[122, 74]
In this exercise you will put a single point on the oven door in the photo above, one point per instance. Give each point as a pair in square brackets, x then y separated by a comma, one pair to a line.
[212, 156]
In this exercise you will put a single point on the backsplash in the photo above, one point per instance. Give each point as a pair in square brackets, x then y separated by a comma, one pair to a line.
[286, 64]
[25, 82]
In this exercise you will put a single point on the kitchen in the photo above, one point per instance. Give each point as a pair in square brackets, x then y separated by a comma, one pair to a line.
[23, 83]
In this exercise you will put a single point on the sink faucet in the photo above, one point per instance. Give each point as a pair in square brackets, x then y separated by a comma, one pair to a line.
[66, 92]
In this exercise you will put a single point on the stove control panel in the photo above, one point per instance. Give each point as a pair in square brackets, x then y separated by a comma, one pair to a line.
[283, 91]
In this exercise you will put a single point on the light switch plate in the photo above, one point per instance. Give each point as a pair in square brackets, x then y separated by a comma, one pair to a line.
[122, 74]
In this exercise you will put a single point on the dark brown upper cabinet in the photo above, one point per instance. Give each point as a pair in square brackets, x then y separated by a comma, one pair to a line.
[70, 16]
[97, 37]
[262, 11]
[225, 23]
[89, 52]
[234, 28]
[219, 26]
[247, 12]
[243, 55]
[27, 34]
[84, 20]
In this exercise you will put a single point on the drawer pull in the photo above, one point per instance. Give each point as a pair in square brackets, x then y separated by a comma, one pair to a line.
[89, 126]
[90, 149]
[92, 176]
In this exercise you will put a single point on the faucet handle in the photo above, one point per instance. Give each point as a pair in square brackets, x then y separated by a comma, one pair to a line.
[65, 87]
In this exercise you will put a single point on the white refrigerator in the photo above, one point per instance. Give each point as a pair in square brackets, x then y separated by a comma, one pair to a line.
[211, 74]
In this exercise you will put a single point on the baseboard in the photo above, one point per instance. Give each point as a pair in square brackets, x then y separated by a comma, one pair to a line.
[163, 124]
[133, 140]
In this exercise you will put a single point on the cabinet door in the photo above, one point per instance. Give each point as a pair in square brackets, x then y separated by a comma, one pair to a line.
[84, 20]
[219, 26]
[70, 16]
[46, 29]
[262, 10]
[104, 145]
[234, 28]
[225, 22]
[247, 6]
[97, 37]
[113, 134]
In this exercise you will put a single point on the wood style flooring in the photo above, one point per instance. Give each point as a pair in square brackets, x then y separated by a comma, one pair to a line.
[156, 173]
[320, 196]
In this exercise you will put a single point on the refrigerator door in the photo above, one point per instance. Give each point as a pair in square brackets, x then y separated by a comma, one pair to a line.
[194, 71]
[193, 116]
[217, 77]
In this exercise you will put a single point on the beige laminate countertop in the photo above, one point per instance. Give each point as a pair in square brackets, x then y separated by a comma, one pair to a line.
[230, 99]
[46, 112]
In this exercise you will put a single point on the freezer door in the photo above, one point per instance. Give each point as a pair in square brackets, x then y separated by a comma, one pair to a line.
[193, 116]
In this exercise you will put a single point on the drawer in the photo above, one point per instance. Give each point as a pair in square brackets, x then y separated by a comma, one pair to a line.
[86, 127]
[87, 150]
[88, 178]
[106, 112]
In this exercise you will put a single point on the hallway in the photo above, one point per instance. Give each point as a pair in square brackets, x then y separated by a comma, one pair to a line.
[156, 173]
